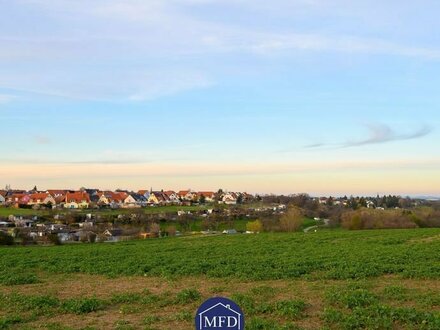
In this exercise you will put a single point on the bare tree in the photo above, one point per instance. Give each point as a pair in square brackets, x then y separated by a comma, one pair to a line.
[292, 219]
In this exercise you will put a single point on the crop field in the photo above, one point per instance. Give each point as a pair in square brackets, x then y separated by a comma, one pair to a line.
[331, 279]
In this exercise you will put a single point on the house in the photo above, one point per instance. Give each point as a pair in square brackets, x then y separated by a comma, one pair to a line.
[145, 193]
[229, 231]
[41, 199]
[26, 223]
[77, 200]
[187, 195]
[172, 196]
[208, 195]
[113, 235]
[134, 200]
[158, 197]
[2, 197]
[229, 198]
[60, 200]
[17, 199]
[130, 202]
[247, 197]
[85, 235]
[56, 192]
[141, 200]
[112, 199]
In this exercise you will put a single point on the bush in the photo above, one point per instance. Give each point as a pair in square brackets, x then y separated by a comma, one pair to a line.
[6, 239]
[54, 239]
[378, 219]
[292, 220]
[82, 306]
[188, 295]
[254, 226]
[171, 231]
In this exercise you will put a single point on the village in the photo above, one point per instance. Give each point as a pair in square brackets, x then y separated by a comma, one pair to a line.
[57, 216]
[95, 198]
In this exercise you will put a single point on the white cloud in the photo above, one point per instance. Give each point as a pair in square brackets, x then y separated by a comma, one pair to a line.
[140, 50]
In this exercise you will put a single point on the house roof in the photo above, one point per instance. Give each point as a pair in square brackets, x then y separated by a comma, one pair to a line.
[114, 232]
[143, 192]
[138, 197]
[161, 196]
[206, 193]
[183, 192]
[55, 192]
[77, 197]
[39, 196]
[22, 198]
[116, 197]
[59, 199]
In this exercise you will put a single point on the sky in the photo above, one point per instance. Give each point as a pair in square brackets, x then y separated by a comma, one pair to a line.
[283, 96]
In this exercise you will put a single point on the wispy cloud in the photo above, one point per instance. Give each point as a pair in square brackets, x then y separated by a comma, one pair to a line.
[42, 139]
[378, 134]
[157, 48]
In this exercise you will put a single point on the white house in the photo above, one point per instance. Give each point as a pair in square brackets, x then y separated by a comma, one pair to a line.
[229, 198]
[130, 202]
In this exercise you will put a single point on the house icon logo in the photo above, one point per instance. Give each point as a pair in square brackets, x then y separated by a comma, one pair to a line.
[220, 314]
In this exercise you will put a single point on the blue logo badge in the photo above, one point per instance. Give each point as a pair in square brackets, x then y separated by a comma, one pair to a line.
[220, 314]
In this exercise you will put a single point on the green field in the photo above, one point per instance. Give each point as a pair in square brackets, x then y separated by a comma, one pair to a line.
[6, 211]
[381, 279]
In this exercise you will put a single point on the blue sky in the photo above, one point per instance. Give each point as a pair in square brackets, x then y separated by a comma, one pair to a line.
[324, 97]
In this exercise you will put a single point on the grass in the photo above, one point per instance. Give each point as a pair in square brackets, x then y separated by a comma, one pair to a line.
[385, 279]
[6, 211]
[325, 254]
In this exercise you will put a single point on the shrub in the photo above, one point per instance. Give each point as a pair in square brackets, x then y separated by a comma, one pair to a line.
[6, 239]
[171, 231]
[82, 306]
[18, 279]
[292, 220]
[54, 239]
[254, 226]
[290, 308]
[187, 295]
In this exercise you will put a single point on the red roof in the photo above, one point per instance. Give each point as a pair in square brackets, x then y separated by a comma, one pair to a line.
[77, 197]
[19, 198]
[209, 194]
[111, 196]
[56, 192]
[38, 196]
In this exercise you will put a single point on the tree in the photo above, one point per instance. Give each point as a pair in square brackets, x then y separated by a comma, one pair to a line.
[240, 199]
[254, 226]
[202, 199]
[292, 219]
[171, 230]
[155, 229]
